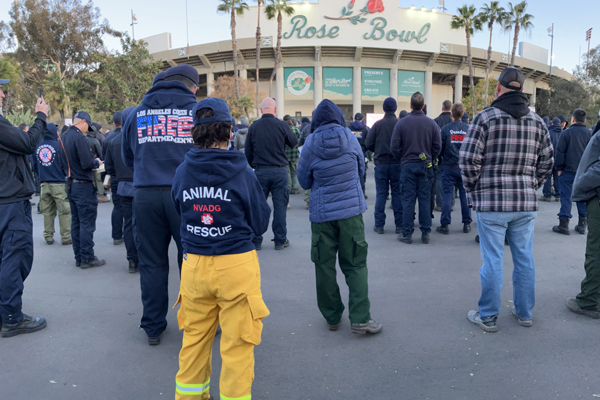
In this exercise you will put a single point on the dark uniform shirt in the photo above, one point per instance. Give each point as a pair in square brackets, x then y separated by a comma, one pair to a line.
[265, 144]
[80, 161]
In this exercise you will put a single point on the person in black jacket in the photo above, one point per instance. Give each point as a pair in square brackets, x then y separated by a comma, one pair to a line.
[16, 226]
[81, 190]
[116, 217]
[361, 131]
[122, 181]
[442, 120]
[570, 148]
[96, 149]
[555, 133]
[387, 167]
[453, 135]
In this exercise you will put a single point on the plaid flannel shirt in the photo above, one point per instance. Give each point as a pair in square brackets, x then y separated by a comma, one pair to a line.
[504, 161]
[293, 154]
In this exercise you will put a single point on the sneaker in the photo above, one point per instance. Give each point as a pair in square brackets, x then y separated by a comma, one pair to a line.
[307, 207]
[26, 325]
[66, 242]
[443, 229]
[117, 242]
[289, 207]
[378, 230]
[546, 199]
[368, 327]
[557, 199]
[466, 227]
[103, 199]
[133, 266]
[398, 231]
[283, 245]
[334, 327]
[573, 306]
[525, 323]
[96, 262]
[405, 239]
[154, 341]
[438, 208]
[49, 241]
[425, 237]
[488, 324]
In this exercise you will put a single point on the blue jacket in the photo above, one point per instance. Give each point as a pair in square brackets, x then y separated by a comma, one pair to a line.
[157, 133]
[570, 148]
[221, 203]
[453, 135]
[331, 163]
[361, 131]
[555, 133]
[49, 157]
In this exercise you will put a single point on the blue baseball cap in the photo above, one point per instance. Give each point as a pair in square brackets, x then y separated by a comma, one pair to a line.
[219, 107]
[184, 70]
[4, 81]
[86, 117]
[159, 77]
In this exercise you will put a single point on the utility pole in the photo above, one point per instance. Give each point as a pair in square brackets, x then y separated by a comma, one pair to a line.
[133, 22]
[551, 34]
[588, 37]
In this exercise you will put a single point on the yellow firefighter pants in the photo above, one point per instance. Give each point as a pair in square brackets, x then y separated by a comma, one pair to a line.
[226, 290]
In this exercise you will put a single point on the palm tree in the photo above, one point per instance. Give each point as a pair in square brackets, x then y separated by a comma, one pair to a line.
[517, 19]
[234, 7]
[258, 38]
[491, 14]
[467, 20]
[275, 8]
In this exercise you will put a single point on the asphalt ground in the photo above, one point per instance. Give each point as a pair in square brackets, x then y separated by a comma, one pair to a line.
[94, 349]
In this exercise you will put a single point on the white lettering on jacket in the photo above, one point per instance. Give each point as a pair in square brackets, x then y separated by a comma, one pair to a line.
[205, 193]
[205, 231]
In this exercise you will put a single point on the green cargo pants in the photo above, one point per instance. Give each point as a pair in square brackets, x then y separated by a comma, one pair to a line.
[53, 199]
[307, 196]
[590, 286]
[292, 169]
[347, 239]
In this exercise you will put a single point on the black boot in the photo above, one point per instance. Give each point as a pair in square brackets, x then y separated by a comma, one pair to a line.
[580, 227]
[562, 227]
[133, 266]
[443, 229]
[26, 325]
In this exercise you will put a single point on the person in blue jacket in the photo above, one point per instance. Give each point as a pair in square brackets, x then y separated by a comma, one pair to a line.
[156, 136]
[331, 164]
[555, 132]
[222, 209]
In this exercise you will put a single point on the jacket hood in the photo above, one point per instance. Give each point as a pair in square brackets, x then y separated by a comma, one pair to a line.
[51, 132]
[555, 128]
[172, 94]
[242, 131]
[514, 103]
[214, 166]
[327, 113]
[357, 125]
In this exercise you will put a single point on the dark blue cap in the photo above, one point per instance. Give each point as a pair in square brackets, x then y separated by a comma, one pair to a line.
[184, 70]
[159, 77]
[358, 116]
[219, 107]
[555, 121]
[84, 116]
[117, 117]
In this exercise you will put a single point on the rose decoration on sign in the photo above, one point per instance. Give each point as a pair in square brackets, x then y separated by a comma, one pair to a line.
[373, 6]
[308, 80]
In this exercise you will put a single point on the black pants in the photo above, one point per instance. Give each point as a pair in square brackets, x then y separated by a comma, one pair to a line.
[116, 218]
[84, 209]
[126, 206]
[155, 222]
[275, 182]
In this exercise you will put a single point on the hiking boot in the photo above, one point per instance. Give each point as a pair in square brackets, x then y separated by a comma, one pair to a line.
[77, 263]
[466, 227]
[49, 241]
[425, 237]
[398, 231]
[368, 327]
[66, 242]
[557, 199]
[117, 242]
[334, 327]
[525, 323]
[443, 229]
[477, 238]
[378, 229]
[154, 341]
[283, 245]
[438, 208]
[103, 199]
[580, 227]
[562, 227]
[546, 199]
[95, 262]
[405, 238]
[573, 306]
[133, 266]
[26, 325]
[488, 324]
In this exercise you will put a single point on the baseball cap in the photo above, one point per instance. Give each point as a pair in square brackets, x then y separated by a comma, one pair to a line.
[219, 108]
[117, 117]
[512, 74]
[184, 70]
[158, 77]
[358, 116]
[4, 81]
[86, 117]
[555, 121]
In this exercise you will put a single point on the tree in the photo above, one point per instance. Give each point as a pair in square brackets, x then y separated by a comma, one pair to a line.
[590, 73]
[467, 20]
[258, 40]
[519, 20]
[9, 69]
[224, 88]
[565, 96]
[483, 90]
[490, 14]
[234, 7]
[272, 10]
[55, 37]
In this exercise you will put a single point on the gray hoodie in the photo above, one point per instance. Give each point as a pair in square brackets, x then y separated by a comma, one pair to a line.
[240, 139]
[587, 180]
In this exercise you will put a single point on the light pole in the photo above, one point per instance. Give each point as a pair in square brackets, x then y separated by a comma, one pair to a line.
[551, 34]
[443, 5]
[133, 22]
[588, 38]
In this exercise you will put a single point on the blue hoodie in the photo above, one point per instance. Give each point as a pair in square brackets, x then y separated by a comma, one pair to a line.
[49, 157]
[157, 133]
[331, 163]
[221, 203]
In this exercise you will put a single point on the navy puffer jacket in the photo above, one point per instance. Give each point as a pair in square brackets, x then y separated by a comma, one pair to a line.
[331, 163]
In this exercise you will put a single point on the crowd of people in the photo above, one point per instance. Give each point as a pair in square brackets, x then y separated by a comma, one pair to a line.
[175, 171]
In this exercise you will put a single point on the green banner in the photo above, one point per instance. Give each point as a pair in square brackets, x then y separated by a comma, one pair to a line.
[375, 84]
[337, 83]
[410, 82]
[299, 83]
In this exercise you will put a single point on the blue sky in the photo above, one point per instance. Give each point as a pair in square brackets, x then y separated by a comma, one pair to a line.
[205, 25]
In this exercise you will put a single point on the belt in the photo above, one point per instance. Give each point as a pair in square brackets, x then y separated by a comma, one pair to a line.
[80, 181]
[269, 166]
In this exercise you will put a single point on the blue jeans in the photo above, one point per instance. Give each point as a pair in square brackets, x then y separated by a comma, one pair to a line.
[547, 190]
[566, 189]
[450, 179]
[84, 209]
[517, 227]
[416, 183]
[275, 181]
[388, 176]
